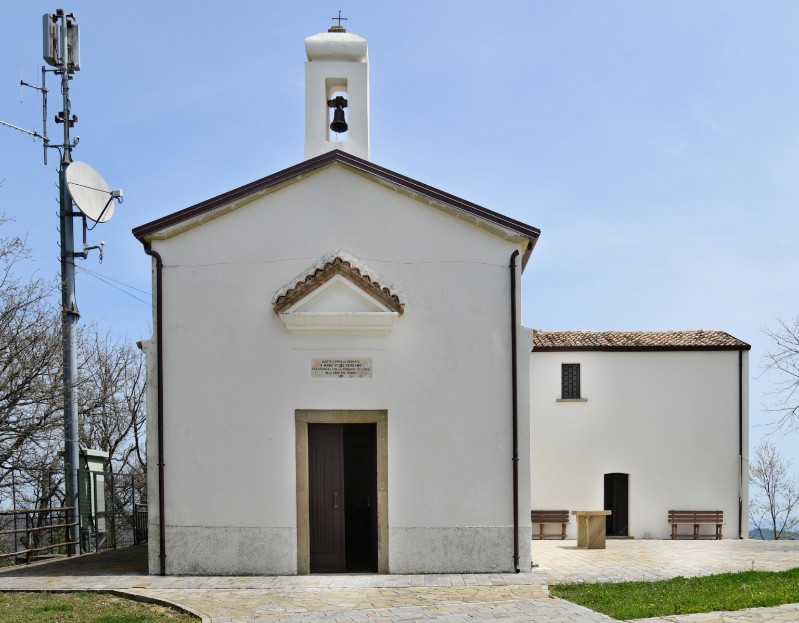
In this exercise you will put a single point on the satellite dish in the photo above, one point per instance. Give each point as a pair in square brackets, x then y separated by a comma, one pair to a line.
[90, 192]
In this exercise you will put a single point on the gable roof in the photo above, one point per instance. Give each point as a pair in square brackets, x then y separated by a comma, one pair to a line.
[339, 262]
[699, 339]
[452, 203]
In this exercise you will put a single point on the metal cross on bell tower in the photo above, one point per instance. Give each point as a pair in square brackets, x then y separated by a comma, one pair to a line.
[338, 27]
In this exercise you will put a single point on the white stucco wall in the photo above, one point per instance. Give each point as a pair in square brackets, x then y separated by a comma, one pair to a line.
[668, 419]
[234, 376]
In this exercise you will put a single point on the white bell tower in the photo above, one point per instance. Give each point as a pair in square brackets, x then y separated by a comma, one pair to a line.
[337, 93]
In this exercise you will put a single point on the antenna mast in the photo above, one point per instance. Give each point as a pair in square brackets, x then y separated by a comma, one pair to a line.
[62, 52]
[69, 308]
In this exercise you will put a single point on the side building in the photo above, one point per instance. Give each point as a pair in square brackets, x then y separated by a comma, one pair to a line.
[640, 423]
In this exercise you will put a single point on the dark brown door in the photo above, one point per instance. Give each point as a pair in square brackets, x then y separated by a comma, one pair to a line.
[326, 492]
[617, 501]
[360, 481]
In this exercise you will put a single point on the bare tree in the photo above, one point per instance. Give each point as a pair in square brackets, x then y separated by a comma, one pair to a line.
[774, 508]
[782, 362]
[110, 390]
[30, 362]
[111, 413]
[111, 398]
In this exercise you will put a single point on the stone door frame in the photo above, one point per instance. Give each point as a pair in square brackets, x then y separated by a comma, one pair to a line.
[303, 417]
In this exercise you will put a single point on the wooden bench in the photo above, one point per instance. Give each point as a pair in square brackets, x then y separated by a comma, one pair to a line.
[696, 518]
[545, 517]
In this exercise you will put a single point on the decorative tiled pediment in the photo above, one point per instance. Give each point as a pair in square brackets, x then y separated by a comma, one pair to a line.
[339, 294]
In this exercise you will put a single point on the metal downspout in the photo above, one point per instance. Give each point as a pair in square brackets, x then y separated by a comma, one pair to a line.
[740, 440]
[159, 266]
[514, 384]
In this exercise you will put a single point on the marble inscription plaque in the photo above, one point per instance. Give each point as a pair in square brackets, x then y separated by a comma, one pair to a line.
[341, 368]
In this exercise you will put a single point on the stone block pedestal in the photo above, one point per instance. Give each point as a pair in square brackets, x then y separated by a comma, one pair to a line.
[591, 528]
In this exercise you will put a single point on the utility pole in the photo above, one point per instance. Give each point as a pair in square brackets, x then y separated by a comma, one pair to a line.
[69, 307]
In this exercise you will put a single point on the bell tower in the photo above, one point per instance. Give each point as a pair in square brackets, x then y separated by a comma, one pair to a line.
[336, 93]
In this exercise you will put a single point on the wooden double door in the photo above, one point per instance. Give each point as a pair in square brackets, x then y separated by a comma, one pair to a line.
[342, 490]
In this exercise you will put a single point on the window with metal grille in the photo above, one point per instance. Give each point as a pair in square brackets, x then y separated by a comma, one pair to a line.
[570, 381]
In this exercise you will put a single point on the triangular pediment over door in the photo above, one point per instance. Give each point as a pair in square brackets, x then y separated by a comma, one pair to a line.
[339, 294]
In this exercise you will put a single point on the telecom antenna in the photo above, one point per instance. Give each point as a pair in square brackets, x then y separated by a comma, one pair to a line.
[43, 136]
[80, 183]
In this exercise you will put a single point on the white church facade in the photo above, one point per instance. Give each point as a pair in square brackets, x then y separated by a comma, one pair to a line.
[313, 404]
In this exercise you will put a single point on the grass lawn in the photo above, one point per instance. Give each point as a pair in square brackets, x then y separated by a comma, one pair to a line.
[82, 608]
[727, 591]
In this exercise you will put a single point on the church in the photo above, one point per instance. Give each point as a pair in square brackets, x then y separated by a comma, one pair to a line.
[339, 380]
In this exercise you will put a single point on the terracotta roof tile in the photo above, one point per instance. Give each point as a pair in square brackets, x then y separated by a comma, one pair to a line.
[699, 339]
[339, 262]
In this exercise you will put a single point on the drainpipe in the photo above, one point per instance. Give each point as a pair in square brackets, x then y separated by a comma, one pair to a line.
[740, 440]
[514, 373]
[159, 266]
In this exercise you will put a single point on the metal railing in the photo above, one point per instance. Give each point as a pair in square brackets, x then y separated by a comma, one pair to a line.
[45, 529]
[139, 524]
[112, 513]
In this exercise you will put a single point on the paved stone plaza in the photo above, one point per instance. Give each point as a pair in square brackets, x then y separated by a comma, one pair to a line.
[438, 598]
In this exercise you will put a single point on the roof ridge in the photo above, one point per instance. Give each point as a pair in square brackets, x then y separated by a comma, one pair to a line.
[312, 164]
[668, 339]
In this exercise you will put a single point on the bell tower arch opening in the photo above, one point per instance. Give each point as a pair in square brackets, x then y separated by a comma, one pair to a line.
[336, 93]
[337, 109]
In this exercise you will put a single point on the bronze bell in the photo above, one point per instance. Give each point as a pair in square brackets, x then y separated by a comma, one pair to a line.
[338, 125]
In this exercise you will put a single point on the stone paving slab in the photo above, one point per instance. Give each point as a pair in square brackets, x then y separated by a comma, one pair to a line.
[789, 613]
[443, 598]
[649, 560]
[509, 603]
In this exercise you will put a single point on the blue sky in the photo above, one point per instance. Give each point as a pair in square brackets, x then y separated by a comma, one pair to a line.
[656, 144]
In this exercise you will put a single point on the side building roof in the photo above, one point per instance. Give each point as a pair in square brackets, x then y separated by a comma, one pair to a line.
[698, 339]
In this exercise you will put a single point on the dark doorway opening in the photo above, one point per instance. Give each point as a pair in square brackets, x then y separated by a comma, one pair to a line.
[342, 474]
[360, 477]
[617, 501]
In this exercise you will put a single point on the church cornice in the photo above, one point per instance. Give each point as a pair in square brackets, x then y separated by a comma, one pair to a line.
[157, 228]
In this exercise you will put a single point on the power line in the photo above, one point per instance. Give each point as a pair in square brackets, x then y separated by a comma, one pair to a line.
[127, 285]
[108, 281]
[366, 259]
